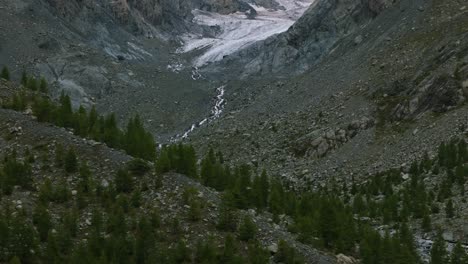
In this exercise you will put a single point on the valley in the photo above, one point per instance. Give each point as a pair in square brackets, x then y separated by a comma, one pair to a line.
[234, 131]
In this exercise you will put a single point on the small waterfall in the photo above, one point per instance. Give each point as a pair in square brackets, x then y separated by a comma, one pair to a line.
[216, 112]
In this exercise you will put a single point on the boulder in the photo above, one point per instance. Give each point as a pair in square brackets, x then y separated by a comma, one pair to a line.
[343, 259]
[273, 248]
[323, 149]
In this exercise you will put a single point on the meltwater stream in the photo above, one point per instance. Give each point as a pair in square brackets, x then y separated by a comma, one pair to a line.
[216, 112]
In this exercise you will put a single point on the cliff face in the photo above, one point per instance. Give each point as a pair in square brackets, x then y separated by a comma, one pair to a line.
[168, 15]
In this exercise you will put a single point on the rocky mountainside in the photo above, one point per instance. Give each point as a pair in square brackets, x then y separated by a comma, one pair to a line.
[314, 35]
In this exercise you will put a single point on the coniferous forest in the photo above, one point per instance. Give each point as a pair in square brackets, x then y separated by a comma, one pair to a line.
[121, 228]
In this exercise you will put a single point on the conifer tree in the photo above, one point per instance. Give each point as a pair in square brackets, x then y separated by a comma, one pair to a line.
[138, 142]
[43, 109]
[5, 74]
[287, 254]
[24, 79]
[257, 254]
[328, 224]
[123, 181]
[85, 178]
[81, 122]
[227, 220]
[276, 201]
[112, 133]
[15, 260]
[163, 162]
[59, 155]
[64, 111]
[32, 83]
[247, 229]
[71, 162]
[206, 252]
[426, 222]
[458, 255]
[144, 240]
[242, 189]
[439, 251]
[181, 253]
[449, 210]
[195, 210]
[41, 219]
[22, 240]
[43, 85]
[261, 189]
[229, 254]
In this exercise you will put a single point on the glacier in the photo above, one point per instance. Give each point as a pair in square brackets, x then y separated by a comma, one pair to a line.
[237, 31]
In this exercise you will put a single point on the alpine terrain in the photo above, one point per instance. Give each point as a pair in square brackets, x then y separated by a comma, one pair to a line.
[234, 131]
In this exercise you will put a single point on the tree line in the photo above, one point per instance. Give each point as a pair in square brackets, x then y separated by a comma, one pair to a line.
[134, 139]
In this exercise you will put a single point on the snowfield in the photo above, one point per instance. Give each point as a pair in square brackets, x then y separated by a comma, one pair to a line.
[238, 31]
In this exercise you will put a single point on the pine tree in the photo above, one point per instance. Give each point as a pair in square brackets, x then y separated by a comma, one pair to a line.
[5, 74]
[439, 251]
[81, 122]
[24, 79]
[92, 118]
[206, 252]
[230, 251]
[45, 192]
[426, 222]
[458, 255]
[144, 240]
[43, 85]
[227, 220]
[181, 254]
[155, 218]
[85, 178]
[123, 181]
[64, 111]
[61, 194]
[257, 254]
[32, 84]
[22, 240]
[42, 221]
[408, 255]
[195, 210]
[328, 224]
[449, 210]
[261, 189]
[43, 109]
[247, 229]
[138, 142]
[15, 173]
[112, 133]
[71, 162]
[70, 219]
[207, 173]
[287, 254]
[15, 260]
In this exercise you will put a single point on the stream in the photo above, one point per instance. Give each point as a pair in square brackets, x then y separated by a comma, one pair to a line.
[215, 113]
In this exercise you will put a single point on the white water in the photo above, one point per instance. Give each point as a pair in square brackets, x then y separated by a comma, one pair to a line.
[238, 31]
[216, 112]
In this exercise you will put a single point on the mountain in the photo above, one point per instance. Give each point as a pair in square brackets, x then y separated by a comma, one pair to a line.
[292, 131]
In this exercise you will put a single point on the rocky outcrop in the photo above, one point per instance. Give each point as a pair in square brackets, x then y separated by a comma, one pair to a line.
[438, 87]
[320, 142]
[439, 95]
[139, 15]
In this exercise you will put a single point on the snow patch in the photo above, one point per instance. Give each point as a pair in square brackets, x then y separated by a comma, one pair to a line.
[238, 31]
[133, 52]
